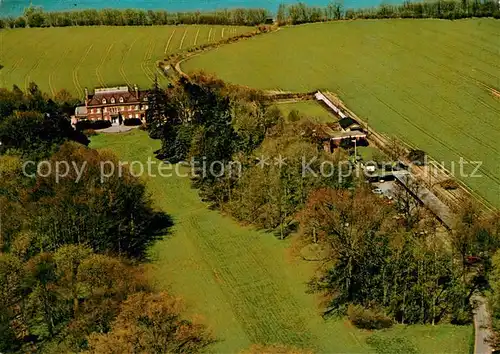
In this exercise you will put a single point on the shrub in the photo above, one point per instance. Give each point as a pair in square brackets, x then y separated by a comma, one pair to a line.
[417, 157]
[90, 132]
[368, 318]
[92, 124]
[449, 184]
[132, 122]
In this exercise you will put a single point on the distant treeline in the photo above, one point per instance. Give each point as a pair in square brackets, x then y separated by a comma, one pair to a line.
[36, 17]
[287, 14]
[444, 9]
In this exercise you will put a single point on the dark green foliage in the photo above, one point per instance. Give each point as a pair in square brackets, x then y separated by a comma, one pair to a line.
[92, 124]
[132, 122]
[155, 115]
[110, 214]
[368, 318]
[32, 125]
[417, 157]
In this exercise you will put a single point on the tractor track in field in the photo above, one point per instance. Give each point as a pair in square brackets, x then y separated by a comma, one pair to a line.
[145, 61]
[196, 37]
[431, 135]
[27, 77]
[169, 41]
[100, 78]
[209, 34]
[445, 67]
[14, 67]
[183, 38]
[124, 58]
[76, 81]
[56, 66]
[242, 293]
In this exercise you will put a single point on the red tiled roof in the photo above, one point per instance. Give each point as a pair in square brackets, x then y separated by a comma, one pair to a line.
[128, 98]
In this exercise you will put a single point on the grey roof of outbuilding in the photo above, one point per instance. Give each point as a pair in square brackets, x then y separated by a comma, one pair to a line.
[81, 111]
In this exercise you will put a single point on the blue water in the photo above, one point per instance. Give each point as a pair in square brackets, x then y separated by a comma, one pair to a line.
[16, 7]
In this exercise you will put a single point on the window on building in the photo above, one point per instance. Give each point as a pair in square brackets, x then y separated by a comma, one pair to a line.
[104, 101]
[146, 107]
[112, 100]
[105, 109]
[130, 108]
[121, 99]
[91, 110]
[130, 116]
[137, 107]
[137, 115]
[98, 110]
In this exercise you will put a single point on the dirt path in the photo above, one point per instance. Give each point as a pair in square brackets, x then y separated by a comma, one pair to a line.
[481, 326]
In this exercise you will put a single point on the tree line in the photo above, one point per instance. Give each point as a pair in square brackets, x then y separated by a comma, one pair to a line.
[445, 9]
[37, 17]
[385, 262]
[286, 14]
[71, 245]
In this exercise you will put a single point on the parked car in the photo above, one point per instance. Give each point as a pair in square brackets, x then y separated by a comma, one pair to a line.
[377, 191]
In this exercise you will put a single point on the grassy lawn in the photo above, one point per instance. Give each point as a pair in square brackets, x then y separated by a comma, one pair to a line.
[430, 82]
[310, 109]
[77, 57]
[245, 284]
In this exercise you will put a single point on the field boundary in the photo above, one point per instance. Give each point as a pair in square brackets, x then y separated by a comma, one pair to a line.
[176, 59]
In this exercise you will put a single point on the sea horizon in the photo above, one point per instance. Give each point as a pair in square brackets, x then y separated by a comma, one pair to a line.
[16, 7]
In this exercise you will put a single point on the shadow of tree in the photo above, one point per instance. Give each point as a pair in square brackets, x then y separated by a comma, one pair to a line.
[157, 227]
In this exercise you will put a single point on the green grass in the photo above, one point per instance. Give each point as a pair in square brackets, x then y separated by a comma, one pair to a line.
[310, 109]
[243, 283]
[77, 57]
[427, 81]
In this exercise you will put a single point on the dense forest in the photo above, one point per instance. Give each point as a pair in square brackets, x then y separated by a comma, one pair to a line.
[71, 245]
[292, 14]
[385, 262]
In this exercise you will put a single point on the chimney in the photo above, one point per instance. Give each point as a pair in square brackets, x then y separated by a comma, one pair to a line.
[86, 96]
[136, 89]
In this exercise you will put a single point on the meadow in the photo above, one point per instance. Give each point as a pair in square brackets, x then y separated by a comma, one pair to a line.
[247, 285]
[312, 110]
[433, 83]
[74, 58]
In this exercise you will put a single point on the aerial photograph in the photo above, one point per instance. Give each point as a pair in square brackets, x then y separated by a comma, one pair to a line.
[250, 177]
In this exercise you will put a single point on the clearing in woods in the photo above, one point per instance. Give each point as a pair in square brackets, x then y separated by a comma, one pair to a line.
[73, 58]
[244, 283]
[433, 83]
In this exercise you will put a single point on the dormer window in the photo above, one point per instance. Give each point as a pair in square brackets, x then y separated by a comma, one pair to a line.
[112, 100]
[104, 101]
[145, 99]
[121, 99]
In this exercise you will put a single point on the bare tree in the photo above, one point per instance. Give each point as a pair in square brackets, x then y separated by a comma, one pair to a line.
[406, 197]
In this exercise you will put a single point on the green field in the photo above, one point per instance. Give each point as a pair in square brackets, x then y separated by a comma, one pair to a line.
[431, 82]
[245, 284]
[77, 57]
[311, 110]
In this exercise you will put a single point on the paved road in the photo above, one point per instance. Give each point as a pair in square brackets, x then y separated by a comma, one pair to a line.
[481, 325]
